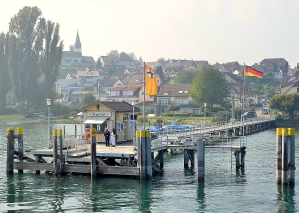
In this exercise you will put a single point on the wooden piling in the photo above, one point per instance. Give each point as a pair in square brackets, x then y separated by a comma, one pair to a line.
[20, 146]
[55, 167]
[161, 153]
[237, 156]
[284, 158]
[186, 158]
[10, 150]
[144, 153]
[61, 152]
[93, 152]
[291, 155]
[278, 154]
[200, 160]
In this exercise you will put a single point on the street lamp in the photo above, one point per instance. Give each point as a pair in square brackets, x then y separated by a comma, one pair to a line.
[134, 101]
[205, 105]
[49, 133]
[81, 114]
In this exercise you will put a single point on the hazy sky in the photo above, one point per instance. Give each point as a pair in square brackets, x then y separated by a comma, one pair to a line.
[213, 30]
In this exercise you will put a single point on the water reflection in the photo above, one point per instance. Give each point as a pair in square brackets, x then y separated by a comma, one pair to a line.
[285, 198]
[145, 199]
[201, 195]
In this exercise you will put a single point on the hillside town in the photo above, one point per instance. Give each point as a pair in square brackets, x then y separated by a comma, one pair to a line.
[123, 81]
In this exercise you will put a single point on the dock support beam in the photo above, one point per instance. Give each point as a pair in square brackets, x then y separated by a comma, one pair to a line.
[200, 160]
[10, 150]
[144, 153]
[93, 152]
[55, 166]
[20, 146]
[278, 154]
[240, 158]
[188, 155]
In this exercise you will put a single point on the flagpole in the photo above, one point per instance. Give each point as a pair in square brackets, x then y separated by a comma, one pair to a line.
[144, 95]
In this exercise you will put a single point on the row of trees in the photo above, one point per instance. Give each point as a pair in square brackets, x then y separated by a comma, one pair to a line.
[30, 55]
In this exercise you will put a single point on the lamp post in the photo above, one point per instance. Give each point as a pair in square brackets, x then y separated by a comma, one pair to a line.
[205, 106]
[81, 114]
[49, 133]
[133, 101]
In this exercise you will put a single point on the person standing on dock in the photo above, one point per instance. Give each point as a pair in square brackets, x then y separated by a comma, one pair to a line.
[107, 137]
[113, 137]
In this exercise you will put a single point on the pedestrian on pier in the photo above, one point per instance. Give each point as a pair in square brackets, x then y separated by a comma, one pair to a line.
[113, 137]
[107, 136]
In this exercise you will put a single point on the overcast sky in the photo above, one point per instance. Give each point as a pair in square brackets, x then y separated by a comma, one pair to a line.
[213, 30]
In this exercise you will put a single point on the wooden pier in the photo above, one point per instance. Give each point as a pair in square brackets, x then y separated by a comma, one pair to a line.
[144, 160]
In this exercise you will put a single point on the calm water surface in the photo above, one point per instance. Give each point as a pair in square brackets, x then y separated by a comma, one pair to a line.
[177, 190]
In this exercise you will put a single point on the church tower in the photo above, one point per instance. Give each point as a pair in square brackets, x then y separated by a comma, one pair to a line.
[78, 44]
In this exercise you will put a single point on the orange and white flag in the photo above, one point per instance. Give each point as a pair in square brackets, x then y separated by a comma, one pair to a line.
[151, 81]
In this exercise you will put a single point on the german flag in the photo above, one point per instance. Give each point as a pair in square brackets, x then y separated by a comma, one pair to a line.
[249, 71]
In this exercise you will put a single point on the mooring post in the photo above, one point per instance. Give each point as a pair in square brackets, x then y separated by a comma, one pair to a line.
[55, 167]
[145, 153]
[284, 158]
[278, 154]
[161, 153]
[186, 158]
[242, 153]
[61, 152]
[20, 146]
[200, 160]
[291, 154]
[93, 152]
[10, 150]
[237, 155]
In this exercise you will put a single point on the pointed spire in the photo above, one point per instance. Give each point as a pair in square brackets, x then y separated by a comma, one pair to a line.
[78, 43]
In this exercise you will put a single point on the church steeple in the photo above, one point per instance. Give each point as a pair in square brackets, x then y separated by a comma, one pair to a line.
[78, 43]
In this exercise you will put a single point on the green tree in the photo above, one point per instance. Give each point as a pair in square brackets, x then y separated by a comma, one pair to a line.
[4, 75]
[159, 72]
[72, 48]
[140, 60]
[185, 76]
[50, 59]
[26, 32]
[285, 103]
[86, 100]
[210, 87]
[111, 61]
[99, 64]
[174, 107]
[161, 61]
[132, 56]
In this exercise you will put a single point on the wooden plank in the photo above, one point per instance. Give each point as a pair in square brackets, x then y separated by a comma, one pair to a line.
[118, 170]
[33, 166]
[77, 168]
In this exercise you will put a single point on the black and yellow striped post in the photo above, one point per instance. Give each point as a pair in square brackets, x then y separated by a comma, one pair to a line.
[278, 154]
[284, 158]
[144, 153]
[93, 152]
[55, 167]
[20, 132]
[291, 158]
[61, 152]
[10, 150]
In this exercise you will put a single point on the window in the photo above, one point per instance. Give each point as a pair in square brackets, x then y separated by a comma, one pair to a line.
[297, 90]
[163, 102]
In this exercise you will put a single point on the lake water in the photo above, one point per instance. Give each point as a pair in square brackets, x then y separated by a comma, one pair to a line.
[177, 190]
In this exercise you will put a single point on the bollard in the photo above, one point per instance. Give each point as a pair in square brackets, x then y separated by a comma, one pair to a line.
[10, 150]
[55, 168]
[291, 155]
[200, 160]
[284, 158]
[61, 152]
[278, 154]
[144, 153]
[20, 146]
[93, 150]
